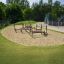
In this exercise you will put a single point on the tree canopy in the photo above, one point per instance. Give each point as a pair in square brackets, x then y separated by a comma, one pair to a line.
[18, 10]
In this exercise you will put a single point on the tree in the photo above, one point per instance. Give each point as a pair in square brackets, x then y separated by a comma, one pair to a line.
[2, 17]
[40, 10]
[50, 2]
[2, 14]
[9, 1]
[14, 13]
[23, 3]
[38, 13]
[28, 14]
[55, 11]
[41, 2]
[57, 3]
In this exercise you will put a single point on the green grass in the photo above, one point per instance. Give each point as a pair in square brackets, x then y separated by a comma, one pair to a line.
[25, 22]
[11, 53]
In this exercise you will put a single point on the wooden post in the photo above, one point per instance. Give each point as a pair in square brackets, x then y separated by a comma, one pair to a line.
[36, 26]
[46, 31]
[15, 28]
[30, 27]
[41, 26]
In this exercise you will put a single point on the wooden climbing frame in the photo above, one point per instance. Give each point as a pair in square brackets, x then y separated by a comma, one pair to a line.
[38, 30]
[26, 27]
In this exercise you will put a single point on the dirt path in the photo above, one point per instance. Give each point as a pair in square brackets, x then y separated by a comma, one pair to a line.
[54, 38]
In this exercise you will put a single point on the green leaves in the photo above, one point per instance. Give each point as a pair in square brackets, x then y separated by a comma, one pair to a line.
[28, 14]
[14, 13]
[23, 3]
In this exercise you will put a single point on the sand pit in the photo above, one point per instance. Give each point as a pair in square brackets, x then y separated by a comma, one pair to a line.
[54, 38]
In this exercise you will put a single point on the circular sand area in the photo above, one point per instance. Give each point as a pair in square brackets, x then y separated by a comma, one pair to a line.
[26, 39]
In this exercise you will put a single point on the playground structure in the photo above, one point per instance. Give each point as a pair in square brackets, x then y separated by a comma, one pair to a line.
[32, 30]
[26, 28]
[39, 30]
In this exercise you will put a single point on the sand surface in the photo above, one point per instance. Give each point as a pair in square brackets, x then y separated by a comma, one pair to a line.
[26, 39]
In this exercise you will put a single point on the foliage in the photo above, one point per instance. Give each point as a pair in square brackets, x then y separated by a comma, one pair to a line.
[37, 13]
[23, 3]
[28, 14]
[18, 10]
[56, 11]
[57, 3]
[14, 13]
[40, 10]
[41, 2]
[2, 14]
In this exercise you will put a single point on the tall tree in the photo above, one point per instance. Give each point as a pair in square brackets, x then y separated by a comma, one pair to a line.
[14, 13]
[9, 1]
[28, 14]
[57, 3]
[23, 3]
[2, 14]
[50, 2]
[41, 2]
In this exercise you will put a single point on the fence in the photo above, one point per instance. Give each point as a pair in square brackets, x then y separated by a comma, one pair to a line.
[56, 23]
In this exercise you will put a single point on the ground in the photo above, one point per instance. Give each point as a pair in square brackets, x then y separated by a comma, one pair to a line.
[14, 53]
[53, 38]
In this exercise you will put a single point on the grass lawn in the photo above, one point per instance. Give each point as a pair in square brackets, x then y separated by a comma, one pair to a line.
[26, 22]
[11, 53]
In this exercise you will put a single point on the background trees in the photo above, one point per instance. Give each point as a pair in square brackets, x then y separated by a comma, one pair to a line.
[18, 10]
[28, 14]
[14, 13]
[2, 14]
[23, 3]
[38, 11]
[56, 11]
